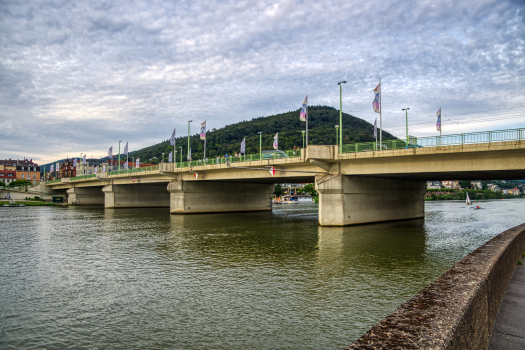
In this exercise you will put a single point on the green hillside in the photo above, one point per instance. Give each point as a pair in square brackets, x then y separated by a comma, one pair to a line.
[322, 121]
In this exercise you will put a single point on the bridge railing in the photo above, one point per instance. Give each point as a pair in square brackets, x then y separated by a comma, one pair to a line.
[437, 141]
[233, 159]
[134, 170]
[82, 177]
[53, 182]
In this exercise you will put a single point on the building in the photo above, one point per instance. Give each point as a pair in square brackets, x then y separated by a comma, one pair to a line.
[450, 184]
[24, 170]
[67, 169]
[476, 185]
[7, 176]
[433, 185]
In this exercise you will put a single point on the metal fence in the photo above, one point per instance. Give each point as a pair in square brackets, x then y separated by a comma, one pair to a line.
[82, 177]
[437, 141]
[234, 159]
[134, 170]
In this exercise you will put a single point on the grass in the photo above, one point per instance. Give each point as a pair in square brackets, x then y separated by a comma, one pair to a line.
[33, 204]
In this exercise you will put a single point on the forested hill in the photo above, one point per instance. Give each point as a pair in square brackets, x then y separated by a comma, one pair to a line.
[322, 121]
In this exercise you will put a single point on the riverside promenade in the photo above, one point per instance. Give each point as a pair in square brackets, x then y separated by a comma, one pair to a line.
[509, 330]
[479, 302]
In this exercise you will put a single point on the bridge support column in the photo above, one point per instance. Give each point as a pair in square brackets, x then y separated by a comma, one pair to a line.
[85, 196]
[193, 197]
[136, 196]
[353, 200]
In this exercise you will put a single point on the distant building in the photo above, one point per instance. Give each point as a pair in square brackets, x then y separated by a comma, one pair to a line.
[67, 169]
[433, 185]
[476, 184]
[450, 184]
[24, 170]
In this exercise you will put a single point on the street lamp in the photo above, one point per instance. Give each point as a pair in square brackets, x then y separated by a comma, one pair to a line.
[341, 114]
[133, 166]
[180, 156]
[260, 145]
[303, 131]
[175, 157]
[162, 157]
[189, 121]
[81, 153]
[406, 114]
[119, 155]
[336, 132]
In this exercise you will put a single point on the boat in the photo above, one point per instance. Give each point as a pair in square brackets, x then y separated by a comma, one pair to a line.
[468, 200]
[13, 204]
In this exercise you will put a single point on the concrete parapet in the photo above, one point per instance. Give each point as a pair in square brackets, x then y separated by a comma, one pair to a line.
[85, 196]
[351, 200]
[136, 196]
[459, 309]
[193, 197]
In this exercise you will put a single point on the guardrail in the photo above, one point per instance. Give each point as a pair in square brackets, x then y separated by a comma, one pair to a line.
[438, 141]
[53, 182]
[82, 177]
[134, 170]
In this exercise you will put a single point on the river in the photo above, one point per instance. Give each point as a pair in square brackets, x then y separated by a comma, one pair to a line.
[94, 278]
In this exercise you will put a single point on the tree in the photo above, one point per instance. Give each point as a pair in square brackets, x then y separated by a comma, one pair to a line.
[309, 189]
[278, 190]
[2, 183]
[464, 184]
[20, 182]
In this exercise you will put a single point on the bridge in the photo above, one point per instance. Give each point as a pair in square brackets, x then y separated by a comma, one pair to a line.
[356, 185]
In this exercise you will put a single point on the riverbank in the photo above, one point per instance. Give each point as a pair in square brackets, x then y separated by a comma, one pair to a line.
[447, 194]
[32, 203]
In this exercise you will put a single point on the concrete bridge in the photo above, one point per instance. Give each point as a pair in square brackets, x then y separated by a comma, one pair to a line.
[354, 188]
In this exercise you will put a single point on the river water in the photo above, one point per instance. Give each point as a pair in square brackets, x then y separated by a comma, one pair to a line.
[94, 278]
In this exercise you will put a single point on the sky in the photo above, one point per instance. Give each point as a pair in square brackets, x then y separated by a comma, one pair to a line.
[78, 76]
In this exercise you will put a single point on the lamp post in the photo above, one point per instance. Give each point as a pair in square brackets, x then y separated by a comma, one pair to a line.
[406, 115]
[162, 157]
[133, 166]
[180, 156]
[119, 155]
[336, 132]
[303, 136]
[341, 114]
[260, 145]
[189, 121]
[81, 153]
[175, 157]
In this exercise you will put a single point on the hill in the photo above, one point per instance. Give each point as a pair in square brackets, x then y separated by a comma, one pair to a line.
[322, 121]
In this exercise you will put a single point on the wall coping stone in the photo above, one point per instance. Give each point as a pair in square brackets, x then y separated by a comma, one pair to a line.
[459, 309]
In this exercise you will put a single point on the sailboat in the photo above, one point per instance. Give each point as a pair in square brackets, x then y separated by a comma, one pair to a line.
[468, 200]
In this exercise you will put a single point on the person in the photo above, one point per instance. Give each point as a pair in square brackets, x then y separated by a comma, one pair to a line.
[226, 156]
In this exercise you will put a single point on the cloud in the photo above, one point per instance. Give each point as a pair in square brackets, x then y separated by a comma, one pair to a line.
[79, 76]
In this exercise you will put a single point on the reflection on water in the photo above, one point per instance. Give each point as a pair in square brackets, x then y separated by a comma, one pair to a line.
[140, 278]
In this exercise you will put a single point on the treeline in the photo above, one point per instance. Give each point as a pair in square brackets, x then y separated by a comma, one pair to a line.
[321, 124]
[473, 195]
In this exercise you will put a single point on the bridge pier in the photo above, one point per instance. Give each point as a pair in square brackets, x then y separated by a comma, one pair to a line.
[136, 196]
[192, 197]
[85, 196]
[353, 200]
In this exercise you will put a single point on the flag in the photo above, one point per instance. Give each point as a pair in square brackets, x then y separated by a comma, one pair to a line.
[110, 153]
[51, 168]
[172, 140]
[375, 104]
[195, 175]
[189, 154]
[170, 157]
[84, 160]
[96, 169]
[58, 166]
[74, 163]
[438, 123]
[375, 129]
[272, 171]
[137, 163]
[275, 141]
[126, 166]
[243, 146]
[304, 110]
[203, 131]
[126, 149]
[103, 168]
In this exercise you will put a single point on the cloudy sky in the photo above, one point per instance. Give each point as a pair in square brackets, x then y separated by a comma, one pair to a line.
[78, 76]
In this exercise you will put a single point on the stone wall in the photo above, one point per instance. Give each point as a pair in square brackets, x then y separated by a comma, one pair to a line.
[459, 309]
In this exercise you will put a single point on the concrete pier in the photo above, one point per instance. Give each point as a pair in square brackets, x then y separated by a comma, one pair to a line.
[136, 196]
[85, 196]
[192, 197]
[351, 200]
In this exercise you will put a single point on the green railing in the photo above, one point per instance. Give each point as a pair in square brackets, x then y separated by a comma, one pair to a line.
[53, 182]
[134, 170]
[82, 177]
[233, 159]
[437, 141]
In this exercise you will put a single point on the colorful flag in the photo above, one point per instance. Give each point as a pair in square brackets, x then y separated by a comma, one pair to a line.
[195, 175]
[375, 129]
[272, 171]
[103, 168]
[438, 124]
[172, 140]
[303, 115]
[96, 169]
[376, 104]
[275, 141]
[126, 166]
[203, 131]
[170, 157]
[84, 160]
[110, 153]
[51, 168]
[74, 163]
[137, 163]
[243, 146]
[58, 166]
[126, 149]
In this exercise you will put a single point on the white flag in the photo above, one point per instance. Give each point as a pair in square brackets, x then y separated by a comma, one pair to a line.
[74, 163]
[110, 153]
[189, 154]
[84, 160]
[172, 140]
[170, 157]
[126, 166]
[126, 149]
[243, 146]
[375, 129]
[103, 168]
[51, 168]
[96, 169]
[137, 163]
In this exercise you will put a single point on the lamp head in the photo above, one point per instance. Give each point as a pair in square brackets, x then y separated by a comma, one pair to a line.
[189, 121]
[337, 126]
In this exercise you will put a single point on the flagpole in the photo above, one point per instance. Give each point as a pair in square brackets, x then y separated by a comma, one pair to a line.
[306, 120]
[380, 118]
